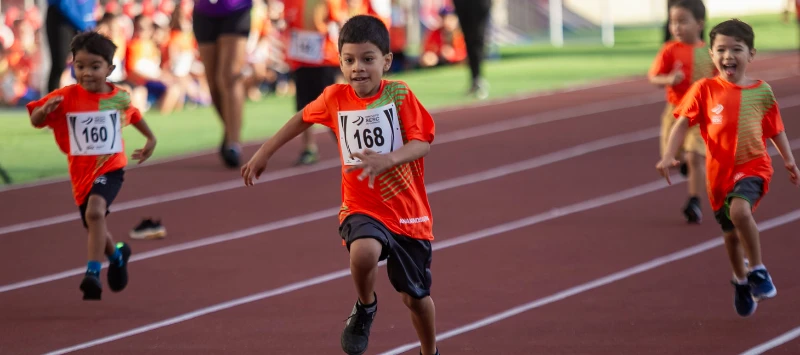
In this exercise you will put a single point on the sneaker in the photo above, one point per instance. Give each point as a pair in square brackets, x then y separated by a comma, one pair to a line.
[231, 156]
[307, 157]
[355, 335]
[761, 286]
[684, 169]
[91, 287]
[118, 274]
[742, 300]
[692, 211]
[148, 229]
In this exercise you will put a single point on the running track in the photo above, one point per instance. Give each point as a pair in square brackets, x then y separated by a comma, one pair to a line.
[548, 241]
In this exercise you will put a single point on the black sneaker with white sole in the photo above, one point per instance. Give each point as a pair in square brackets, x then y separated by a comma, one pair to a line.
[148, 229]
[355, 336]
[692, 211]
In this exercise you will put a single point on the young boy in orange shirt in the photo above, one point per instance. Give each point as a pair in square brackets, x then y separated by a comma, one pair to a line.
[384, 132]
[681, 62]
[736, 115]
[87, 121]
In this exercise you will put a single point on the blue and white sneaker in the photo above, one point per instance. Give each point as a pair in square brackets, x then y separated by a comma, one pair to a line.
[761, 286]
[742, 299]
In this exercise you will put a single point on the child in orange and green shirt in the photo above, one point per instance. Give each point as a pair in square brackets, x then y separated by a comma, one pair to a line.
[736, 115]
[87, 120]
[384, 132]
[681, 62]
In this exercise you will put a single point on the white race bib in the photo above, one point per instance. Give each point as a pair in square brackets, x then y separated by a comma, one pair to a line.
[307, 46]
[94, 133]
[377, 129]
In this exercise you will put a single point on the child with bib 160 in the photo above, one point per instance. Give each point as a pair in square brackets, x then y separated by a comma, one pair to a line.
[384, 133]
[87, 120]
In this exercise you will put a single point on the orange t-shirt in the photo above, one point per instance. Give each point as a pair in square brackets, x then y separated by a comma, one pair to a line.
[306, 45]
[383, 123]
[84, 169]
[696, 64]
[735, 123]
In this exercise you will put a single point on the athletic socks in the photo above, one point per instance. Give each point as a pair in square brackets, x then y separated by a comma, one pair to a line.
[93, 267]
[116, 258]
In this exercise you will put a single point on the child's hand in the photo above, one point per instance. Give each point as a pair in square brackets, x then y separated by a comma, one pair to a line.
[664, 165]
[794, 173]
[143, 154]
[254, 168]
[52, 104]
[372, 163]
[677, 73]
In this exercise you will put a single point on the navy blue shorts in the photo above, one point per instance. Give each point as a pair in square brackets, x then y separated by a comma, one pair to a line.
[750, 189]
[408, 260]
[106, 186]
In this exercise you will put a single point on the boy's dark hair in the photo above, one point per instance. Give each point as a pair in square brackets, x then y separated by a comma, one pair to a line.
[696, 7]
[96, 44]
[365, 29]
[735, 28]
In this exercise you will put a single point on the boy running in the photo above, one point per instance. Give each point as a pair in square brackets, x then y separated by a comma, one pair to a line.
[736, 115]
[87, 121]
[383, 133]
[681, 62]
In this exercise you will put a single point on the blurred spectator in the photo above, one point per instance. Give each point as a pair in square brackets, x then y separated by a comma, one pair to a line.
[444, 45]
[64, 19]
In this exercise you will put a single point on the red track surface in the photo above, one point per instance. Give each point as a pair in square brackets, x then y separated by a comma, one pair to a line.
[680, 307]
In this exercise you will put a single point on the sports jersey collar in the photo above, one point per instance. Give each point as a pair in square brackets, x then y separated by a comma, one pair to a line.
[113, 91]
[735, 86]
[352, 93]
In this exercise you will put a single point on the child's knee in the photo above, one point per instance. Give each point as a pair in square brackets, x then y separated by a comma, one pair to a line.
[416, 305]
[364, 253]
[95, 209]
[730, 237]
[740, 212]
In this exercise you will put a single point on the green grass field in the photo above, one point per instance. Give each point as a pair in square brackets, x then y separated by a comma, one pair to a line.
[28, 154]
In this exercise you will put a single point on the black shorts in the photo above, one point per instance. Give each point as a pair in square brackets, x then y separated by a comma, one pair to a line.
[208, 28]
[750, 189]
[106, 186]
[309, 83]
[408, 260]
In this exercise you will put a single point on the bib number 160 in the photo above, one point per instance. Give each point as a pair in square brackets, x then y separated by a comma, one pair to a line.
[367, 138]
[97, 134]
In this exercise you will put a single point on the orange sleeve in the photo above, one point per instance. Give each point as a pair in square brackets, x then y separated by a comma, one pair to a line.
[772, 123]
[416, 120]
[663, 62]
[692, 104]
[317, 111]
[133, 115]
[58, 112]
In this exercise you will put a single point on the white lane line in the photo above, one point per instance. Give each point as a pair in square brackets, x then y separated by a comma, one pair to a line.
[649, 265]
[330, 212]
[450, 137]
[774, 343]
[485, 233]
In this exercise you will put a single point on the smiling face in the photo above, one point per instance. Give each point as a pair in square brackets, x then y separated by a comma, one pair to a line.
[91, 71]
[363, 66]
[731, 57]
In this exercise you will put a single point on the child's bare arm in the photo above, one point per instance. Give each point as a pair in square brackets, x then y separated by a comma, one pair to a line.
[673, 78]
[781, 143]
[39, 114]
[676, 137]
[144, 153]
[409, 152]
[258, 163]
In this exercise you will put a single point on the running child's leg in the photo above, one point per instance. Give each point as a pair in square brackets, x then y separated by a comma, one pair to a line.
[694, 146]
[745, 194]
[409, 269]
[365, 239]
[743, 300]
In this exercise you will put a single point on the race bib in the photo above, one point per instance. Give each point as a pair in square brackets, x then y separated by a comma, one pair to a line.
[95, 133]
[307, 46]
[377, 129]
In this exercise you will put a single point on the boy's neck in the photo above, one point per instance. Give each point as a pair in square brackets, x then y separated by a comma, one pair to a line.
[105, 89]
